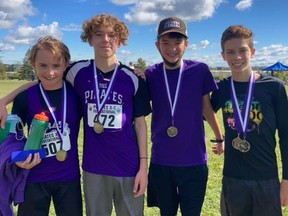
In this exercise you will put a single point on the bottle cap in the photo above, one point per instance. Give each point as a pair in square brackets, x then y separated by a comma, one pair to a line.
[42, 117]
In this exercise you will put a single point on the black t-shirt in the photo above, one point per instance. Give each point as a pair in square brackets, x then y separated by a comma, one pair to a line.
[268, 114]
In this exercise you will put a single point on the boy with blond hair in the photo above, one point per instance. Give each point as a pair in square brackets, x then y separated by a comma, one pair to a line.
[57, 176]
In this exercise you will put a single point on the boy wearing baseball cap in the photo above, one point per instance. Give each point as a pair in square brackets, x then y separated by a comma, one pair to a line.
[178, 169]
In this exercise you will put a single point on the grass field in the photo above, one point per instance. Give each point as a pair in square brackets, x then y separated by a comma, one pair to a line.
[212, 199]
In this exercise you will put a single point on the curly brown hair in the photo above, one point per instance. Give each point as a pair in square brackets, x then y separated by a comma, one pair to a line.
[237, 31]
[92, 25]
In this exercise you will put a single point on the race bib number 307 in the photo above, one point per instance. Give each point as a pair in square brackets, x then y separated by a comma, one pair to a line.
[110, 116]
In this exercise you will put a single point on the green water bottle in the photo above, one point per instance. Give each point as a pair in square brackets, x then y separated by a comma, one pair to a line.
[10, 126]
[37, 130]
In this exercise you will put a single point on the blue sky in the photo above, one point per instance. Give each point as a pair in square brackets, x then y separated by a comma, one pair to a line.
[22, 22]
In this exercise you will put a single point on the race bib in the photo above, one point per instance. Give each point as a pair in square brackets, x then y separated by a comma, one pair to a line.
[110, 117]
[52, 142]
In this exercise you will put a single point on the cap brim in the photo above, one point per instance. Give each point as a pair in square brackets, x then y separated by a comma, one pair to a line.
[170, 31]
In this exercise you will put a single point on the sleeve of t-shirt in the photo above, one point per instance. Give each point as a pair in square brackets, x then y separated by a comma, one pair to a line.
[20, 106]
[215, 99]
[73, 69]
[141, 102]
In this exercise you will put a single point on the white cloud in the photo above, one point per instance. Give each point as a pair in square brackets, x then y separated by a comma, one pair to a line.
[6, 47]
[244, 4]
[151, 11]
[264, 55]
[193, 47]
[125, 52]
[124, 2]
[13, 10]
[26, 35]
[72, 27]
[202, 45]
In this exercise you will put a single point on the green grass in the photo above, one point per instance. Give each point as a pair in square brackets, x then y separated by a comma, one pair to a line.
[212, 199]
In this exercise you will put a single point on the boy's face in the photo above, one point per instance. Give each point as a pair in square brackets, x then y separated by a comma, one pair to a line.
[105, 42]
[171, 49]
[48, 69]
[238, 54]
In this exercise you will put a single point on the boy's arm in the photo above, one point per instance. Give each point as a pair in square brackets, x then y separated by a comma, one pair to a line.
[282, 116]
[9, 98]
[141, 179]
[212, 120]
[284, 192]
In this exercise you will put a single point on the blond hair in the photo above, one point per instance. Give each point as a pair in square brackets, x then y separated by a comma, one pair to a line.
[58, 48]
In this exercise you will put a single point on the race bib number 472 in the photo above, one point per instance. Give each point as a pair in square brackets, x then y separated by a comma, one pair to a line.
[110, 116]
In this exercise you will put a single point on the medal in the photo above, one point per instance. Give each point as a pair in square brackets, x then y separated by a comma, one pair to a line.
[172, 131]
[244, 146]
[235, 142]
[242, 117]
[98, 127]
[61, 155]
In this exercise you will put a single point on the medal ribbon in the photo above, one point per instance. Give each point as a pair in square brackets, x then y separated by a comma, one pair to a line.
[63, 106]
[100, 104]
[173, 105]
[241, 118]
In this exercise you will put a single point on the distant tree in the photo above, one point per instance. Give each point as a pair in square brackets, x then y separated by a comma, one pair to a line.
[3, 75]
[282, 75]
[141, 64]
[131, 64]
[10, 68]
[26, 71]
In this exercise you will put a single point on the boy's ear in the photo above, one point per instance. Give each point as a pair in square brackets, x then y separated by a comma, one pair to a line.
[89, 41]
[186, 43]
[157, 44]
[253, 51]
[223, 56]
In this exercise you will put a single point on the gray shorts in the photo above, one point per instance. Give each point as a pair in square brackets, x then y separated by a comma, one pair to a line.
[102, 191]
[249, 197]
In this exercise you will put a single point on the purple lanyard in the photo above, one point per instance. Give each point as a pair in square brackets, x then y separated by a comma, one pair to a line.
[63, 108]
[242, 118]
[100, 104]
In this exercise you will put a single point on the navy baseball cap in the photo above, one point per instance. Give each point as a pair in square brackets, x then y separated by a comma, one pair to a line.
[172, 24]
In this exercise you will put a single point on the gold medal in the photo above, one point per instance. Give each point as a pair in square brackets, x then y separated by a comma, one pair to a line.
[236, 142]
[98, 128]
[244, 146]
[61, 155]
[172, 131]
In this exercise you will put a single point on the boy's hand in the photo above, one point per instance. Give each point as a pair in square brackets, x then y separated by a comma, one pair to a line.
[139, 73]
[140, 184]
[284, 192]
[29, 163]
[3, 115]
[218, 148]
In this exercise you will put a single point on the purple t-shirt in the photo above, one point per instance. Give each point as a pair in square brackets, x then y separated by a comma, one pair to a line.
[31, 102]
[115, 151]
[188, 147]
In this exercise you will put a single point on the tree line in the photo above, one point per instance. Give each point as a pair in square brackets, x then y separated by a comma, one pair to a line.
[25, 70]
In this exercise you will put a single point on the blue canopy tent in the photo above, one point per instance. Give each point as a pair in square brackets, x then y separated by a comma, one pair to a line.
[276, 67]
